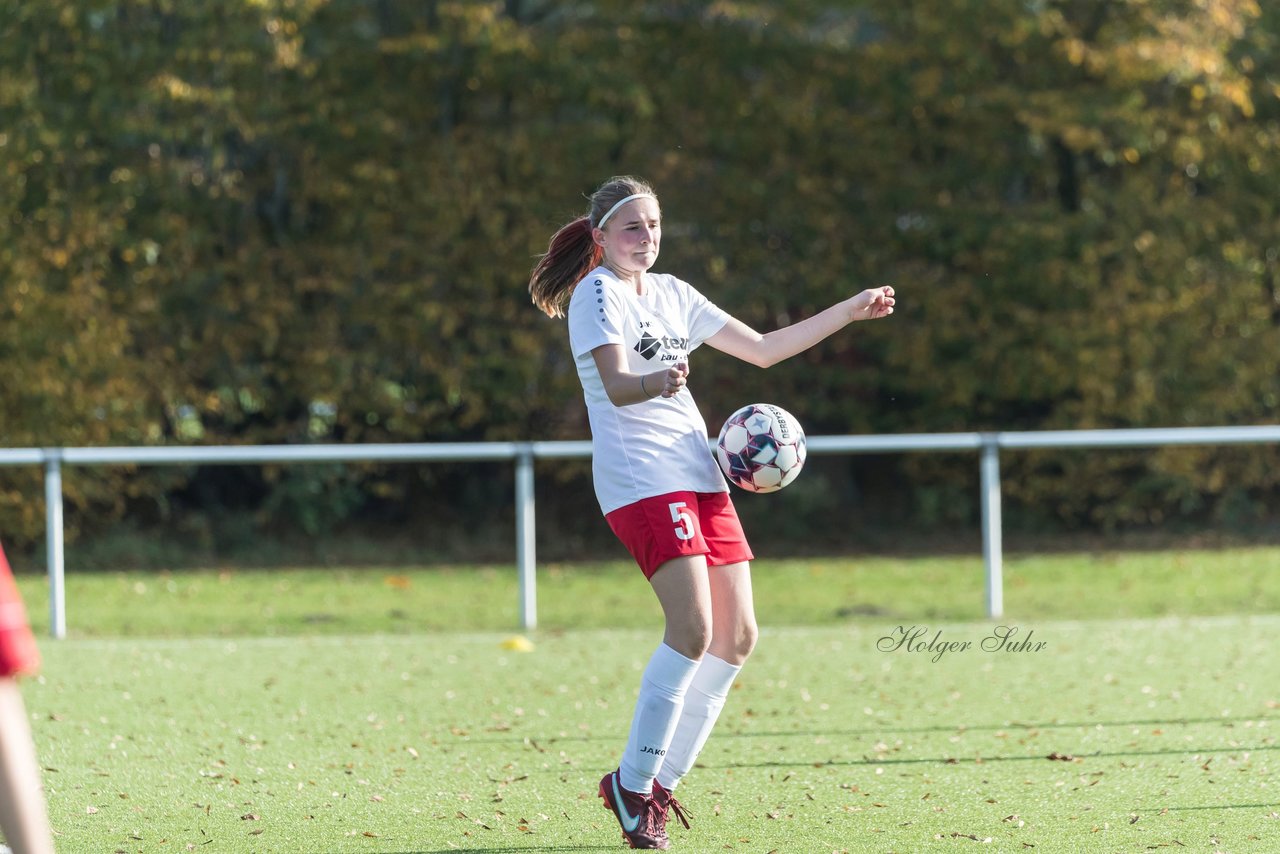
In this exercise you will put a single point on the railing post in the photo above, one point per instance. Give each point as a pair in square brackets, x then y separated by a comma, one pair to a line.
[525, 533]
[992, 552]
[53, 540]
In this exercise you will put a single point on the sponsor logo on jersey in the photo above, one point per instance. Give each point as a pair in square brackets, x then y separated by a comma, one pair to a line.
[649, 345]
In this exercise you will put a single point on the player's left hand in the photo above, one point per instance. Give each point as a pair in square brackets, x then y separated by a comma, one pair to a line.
[873, 303]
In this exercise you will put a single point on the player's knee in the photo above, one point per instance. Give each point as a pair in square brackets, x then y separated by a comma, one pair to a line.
[745, 642]
[690, 640]
[736, 644]
[740, 645]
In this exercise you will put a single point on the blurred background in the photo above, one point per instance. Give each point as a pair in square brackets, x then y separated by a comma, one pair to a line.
[312, 221]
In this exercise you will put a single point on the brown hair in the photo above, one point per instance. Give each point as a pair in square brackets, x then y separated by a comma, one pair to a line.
[572, 253]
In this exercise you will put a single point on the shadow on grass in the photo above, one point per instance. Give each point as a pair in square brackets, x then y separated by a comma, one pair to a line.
[507, 849]
[1013, 726]
[1220, 807]
[982, 760]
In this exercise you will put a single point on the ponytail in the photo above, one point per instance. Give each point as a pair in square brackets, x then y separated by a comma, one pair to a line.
[571, 255]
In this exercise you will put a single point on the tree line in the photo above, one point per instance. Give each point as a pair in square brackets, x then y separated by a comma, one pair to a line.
[313, 220]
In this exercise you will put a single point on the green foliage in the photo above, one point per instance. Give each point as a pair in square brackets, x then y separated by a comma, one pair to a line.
[312, 221]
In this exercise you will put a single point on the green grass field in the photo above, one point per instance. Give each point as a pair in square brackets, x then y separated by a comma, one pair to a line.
[363, 711]
[830, 591]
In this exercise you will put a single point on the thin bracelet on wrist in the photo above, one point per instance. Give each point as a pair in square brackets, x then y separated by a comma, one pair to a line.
[644, 390]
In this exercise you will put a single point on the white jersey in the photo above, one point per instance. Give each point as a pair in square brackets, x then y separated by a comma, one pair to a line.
[660, 445]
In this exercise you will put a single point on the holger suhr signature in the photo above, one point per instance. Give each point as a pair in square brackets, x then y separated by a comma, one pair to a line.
[919, 639]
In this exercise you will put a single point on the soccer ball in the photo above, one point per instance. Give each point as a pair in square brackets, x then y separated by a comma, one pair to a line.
[761, 448]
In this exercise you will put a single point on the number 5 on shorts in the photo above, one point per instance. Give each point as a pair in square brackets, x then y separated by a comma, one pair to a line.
[683, 520]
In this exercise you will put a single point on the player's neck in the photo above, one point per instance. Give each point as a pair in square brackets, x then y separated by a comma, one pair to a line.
[635, 278]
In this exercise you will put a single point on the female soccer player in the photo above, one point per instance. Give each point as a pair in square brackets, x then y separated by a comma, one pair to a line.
[23, 819]
[631, 333]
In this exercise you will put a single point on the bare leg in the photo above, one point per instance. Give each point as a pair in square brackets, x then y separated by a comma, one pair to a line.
[733, 637]
[684, 590]
[733, 614]
[22, 809]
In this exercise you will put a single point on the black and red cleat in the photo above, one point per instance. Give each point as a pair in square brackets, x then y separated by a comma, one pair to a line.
[668, 804]
[641, 819]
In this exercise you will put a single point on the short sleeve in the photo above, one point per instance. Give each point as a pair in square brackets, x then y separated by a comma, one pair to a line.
[595, 315]
[705, 317]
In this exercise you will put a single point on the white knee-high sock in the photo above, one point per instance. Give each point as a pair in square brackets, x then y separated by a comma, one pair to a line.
[662, 693]
[702, 704]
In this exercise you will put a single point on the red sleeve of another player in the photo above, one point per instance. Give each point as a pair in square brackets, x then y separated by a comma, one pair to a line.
[18, 652]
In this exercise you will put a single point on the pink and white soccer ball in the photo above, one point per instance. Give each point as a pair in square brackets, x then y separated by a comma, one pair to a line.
[761, 448]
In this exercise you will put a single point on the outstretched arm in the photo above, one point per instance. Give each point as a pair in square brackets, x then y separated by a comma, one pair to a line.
[739, 340]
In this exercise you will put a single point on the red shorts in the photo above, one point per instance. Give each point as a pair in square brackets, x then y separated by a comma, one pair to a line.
[679, 524]
[17, 644]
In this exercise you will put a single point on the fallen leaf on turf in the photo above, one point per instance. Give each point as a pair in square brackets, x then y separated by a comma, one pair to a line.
[517, 643]
[250, 816]
[399, 582]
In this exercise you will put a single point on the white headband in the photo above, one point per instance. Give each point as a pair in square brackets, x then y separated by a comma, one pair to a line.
[613, 210]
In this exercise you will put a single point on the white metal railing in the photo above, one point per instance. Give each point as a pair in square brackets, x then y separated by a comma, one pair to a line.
[524, 454]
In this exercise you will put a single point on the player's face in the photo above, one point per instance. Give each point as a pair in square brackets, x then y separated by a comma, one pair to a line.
[631, 236]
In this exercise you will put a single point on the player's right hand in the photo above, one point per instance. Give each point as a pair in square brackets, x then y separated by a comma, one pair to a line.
[675, 379]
